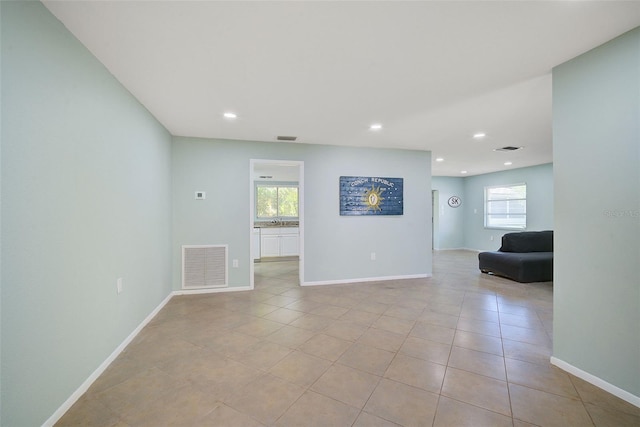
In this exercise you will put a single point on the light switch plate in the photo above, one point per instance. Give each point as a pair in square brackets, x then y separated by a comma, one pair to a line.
[201, 195]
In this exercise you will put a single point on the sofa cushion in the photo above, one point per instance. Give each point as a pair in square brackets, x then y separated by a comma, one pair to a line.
[527, 241]
[521, 267]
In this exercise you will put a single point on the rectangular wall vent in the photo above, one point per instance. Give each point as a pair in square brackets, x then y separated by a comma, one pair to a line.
[286, 138]
[204, 266]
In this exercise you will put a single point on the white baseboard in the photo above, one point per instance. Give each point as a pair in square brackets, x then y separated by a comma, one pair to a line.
[364, 280]
[592, 379]
[94, 376]
[211, 290]
[104, 365]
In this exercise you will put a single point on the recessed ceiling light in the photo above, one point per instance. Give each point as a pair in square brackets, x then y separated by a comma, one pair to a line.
[439, 159]
[463, 172]
[508, 163]
[479, 135]
[375, 126]
[230, 115]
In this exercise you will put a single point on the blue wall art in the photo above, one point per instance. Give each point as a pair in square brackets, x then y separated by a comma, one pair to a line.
[370, 195]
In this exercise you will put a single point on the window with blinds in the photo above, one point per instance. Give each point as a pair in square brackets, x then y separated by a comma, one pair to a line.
[505, 206]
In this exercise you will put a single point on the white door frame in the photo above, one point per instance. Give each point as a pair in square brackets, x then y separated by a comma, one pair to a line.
[252, 196]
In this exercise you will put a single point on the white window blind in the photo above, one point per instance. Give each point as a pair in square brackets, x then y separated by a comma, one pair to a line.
[505, 206]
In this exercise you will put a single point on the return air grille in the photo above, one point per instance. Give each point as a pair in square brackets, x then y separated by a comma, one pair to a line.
[204, 266]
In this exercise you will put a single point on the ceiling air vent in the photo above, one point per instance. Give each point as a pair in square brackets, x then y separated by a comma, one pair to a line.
[286, 138]
[507, 148]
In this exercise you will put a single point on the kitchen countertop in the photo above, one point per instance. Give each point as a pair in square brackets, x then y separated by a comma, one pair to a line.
[269, 224]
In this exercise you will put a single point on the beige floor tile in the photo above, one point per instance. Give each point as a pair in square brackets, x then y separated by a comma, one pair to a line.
[369, 420]
[546, 409]
[530, 336]
[530, 321]
[345, 330]
[304, 305]
[480, 314]
[223, 415]
[479, 327]
[149, 385]
[119, 371]
[416, 372]
[290, 336]
[228, 342]
[402, 404]
[159, 351]
[478, 362]
[89, 412]
[540, 377]
[394, 324]
[478, 342]
[263, 355]
[439, 319]
[403, 312]
[325, 346]
[316, 410]
[332, 311]
[596, 396]
[222, 377]
[604, 417]
[258, 328]
[381, 339]
[203, 350]
[488, 303]
[348, 385]
[532, 353]
[179, 407]
[300, 368]
[426, 350]
[260, 309]
[477, 390]
[459, 414]
[312, 322]
[266, 398]
[283, 315]
[372, 307]
[280, 301]
[444, 306]
[516, 309]
[366, 358]
[360, 317]
[431, 332]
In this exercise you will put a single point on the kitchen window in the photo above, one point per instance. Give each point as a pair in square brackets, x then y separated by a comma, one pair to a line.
[505, 206]
[276, 201]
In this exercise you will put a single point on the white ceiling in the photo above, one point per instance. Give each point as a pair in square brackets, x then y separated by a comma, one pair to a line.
[432, 73]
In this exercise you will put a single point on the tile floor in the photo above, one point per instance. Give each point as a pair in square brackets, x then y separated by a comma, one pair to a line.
[458, 349]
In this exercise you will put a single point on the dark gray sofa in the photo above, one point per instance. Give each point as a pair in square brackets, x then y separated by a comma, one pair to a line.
[524, 257]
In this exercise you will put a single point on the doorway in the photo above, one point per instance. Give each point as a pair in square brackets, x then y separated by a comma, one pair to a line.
[276, 172]
[435, 220]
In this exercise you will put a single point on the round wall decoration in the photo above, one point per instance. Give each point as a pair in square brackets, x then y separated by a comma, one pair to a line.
[454, 201]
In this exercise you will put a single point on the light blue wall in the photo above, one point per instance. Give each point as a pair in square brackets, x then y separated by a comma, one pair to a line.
[449, 221]
[85, 200]
[596, 116]
[540, 189]
[335, 247]
[463, 227]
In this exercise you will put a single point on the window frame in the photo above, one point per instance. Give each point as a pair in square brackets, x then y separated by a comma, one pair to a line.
[278, 185]
[487, 216]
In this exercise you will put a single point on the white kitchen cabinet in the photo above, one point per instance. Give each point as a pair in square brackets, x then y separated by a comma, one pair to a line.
[289, 245]
[279, 241]
[270, 246]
